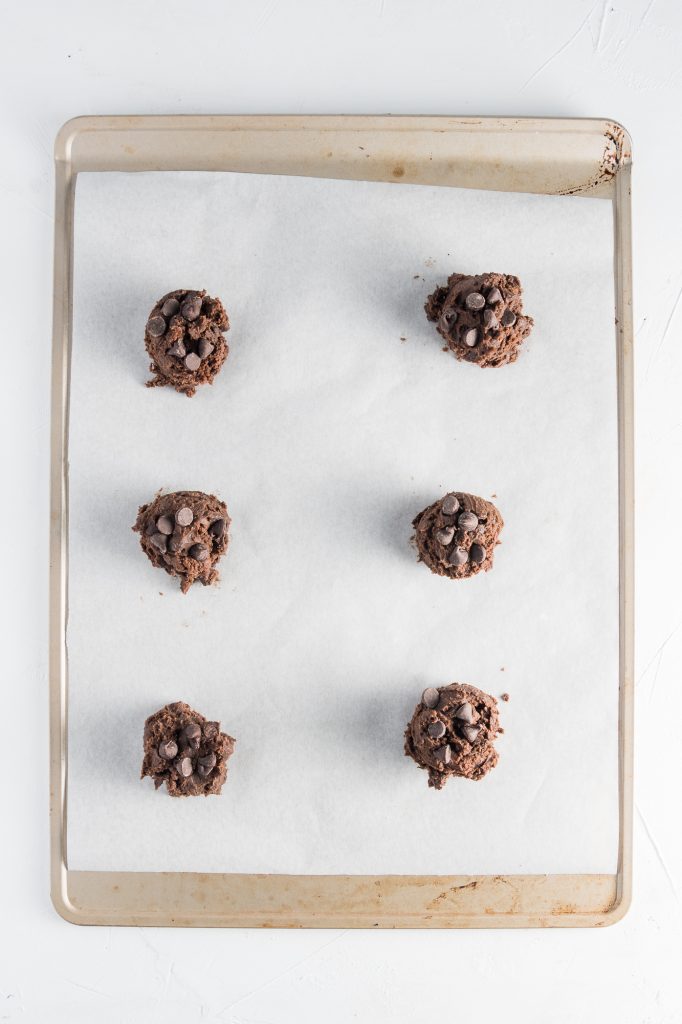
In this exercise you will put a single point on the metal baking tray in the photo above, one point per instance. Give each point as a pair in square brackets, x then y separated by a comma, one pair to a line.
[585, 157]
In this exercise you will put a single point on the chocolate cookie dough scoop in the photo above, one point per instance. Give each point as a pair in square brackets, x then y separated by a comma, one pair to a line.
[185, 533]
[456, 536]
[452, 732]
[185, 751]
[480, 318]
[184, 337]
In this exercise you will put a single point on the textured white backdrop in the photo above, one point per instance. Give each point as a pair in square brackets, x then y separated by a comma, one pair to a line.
[613, 59]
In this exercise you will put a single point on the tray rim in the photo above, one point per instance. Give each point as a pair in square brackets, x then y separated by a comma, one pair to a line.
[495, 150]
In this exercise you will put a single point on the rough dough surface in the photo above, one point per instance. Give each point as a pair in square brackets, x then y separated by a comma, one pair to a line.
[452, 732]
[456, 536]
[185, 751]
[185, 533]
[480, 317]
[184, 338]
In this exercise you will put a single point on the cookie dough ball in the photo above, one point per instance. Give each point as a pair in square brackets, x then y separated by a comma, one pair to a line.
[184, 337]
[480, 318]
[185, 533]
[452, 732]
[185, 751]
[456, 536]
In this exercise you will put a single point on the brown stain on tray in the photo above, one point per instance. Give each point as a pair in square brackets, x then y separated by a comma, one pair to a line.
[435, 903]
[613, 156]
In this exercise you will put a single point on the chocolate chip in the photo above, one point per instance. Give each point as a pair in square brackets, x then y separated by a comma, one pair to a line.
[470, 337]
[468, 521]
[436, 730]
[494, 296]
[450, 505]
[159, 541]
[208, 761]
[470, 732]
[508, 318]
[168, 750]
[204, 770]
[474, 300]
[184, 516]
[177, 349]
[477, 553]
[193, 734]
[490, 320]
[164, 524]
[448, 320]
[170, 307]
[445, 536]
[443, 754]
[175, 542]
[191, 307]
[198, 552]
[156, 326]
[184, 767]
[192, 361]
[150, 528]
[217, 528]
[465, 713]
[457, 556]
[204, 348]
[211, 730]
[430, 696]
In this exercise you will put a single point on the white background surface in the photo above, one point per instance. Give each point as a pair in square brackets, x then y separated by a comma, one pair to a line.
[619, 60]
[326, 434]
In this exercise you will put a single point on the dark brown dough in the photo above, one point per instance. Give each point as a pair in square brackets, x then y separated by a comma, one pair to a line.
[452, 732]
[184, 337]
[450, 543]
[185, 751]
[185, 533]
[489, 335]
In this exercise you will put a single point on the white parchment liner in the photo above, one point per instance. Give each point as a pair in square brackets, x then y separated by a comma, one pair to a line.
[335, 420]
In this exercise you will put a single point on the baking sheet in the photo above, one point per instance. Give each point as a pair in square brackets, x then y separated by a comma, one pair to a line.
[335, 420]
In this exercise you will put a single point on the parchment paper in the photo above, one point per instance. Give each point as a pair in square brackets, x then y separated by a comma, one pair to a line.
[335, 420]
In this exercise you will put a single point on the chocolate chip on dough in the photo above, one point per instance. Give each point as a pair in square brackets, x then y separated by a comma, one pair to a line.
[164, 524]
[156, 326]
[474, 300]
[464, 713]
[184, 516]
[430, 696]
[450, 504]
[192, 361]
[477, 554]
[183, 766]
[198, 551]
